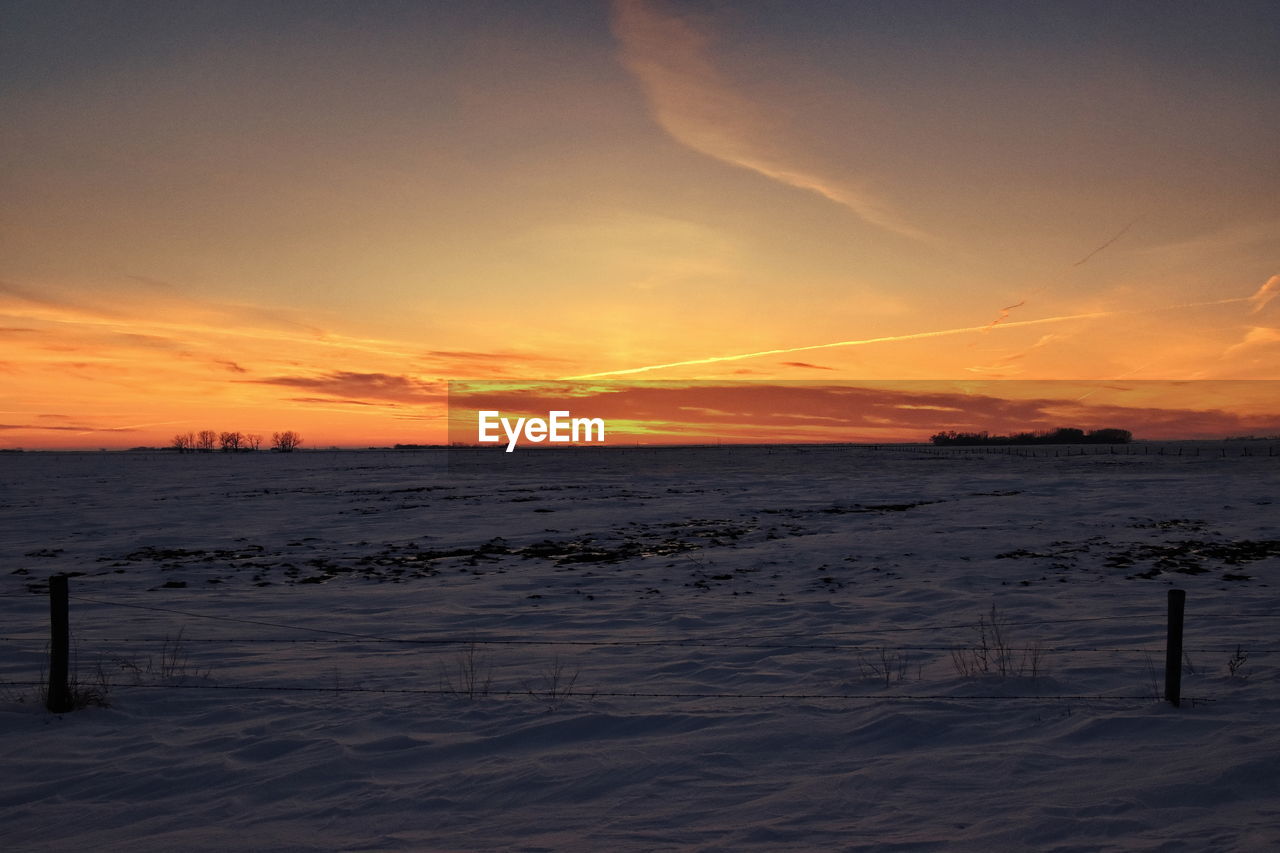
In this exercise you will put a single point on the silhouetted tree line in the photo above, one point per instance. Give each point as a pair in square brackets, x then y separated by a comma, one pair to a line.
[206, 441]
[1062, 435]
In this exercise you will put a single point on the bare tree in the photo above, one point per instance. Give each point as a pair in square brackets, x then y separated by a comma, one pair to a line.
[252, 441]
[285, 442]
[231, 442]
[184, 443]
[205, 440]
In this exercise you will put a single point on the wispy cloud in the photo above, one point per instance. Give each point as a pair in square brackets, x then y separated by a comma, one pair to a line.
[1004, 364]
[227, 334]
[349, 387]
[18, 296]
[1270, 288]
[180, 317]
[806, 365]
[1256, 336]
[699, 107]
[1228, 239]
[77, 428]
[503, 362]
[328, 401]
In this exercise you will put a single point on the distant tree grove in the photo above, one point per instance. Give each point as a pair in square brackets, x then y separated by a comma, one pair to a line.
[207, 440]
[1062, 435]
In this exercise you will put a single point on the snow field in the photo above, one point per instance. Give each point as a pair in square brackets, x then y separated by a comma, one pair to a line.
[756, 584]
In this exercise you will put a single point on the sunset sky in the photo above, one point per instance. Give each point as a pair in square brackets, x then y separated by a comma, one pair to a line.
[312, 215]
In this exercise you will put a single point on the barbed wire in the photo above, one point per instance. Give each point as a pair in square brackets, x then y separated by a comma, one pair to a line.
[749, 641]
[611, 694]
[234, 619]
[479, 641]
[875, 632]
[870, 632]
[690, 641]
[733, 642]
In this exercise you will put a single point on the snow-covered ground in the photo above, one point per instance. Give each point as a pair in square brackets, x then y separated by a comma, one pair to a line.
[715, 649]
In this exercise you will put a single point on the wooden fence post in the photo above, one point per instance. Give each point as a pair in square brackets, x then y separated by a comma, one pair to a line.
[58, 699]
[1173, 648]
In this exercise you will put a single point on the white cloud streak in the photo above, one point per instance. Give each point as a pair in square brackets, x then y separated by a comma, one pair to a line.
[914, 336]
[694, 103]
[1269, 290]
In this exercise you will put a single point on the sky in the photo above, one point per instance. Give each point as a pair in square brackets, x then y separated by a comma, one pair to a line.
[314, 215]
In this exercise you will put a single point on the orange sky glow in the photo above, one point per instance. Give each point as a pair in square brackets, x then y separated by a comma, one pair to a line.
[723, 221]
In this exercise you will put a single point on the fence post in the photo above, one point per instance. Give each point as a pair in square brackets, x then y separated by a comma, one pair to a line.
[58, 699]
[1173, 648]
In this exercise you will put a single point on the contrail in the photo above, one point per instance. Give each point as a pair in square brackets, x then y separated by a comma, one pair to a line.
[940, 333]
[1004, 313]
[891, 338]
[1119, 234]
[1270, 288]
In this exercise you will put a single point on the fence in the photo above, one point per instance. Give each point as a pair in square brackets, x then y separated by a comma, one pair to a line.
[994, 654]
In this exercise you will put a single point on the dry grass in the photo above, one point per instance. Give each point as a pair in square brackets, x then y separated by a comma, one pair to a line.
[993, 651]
